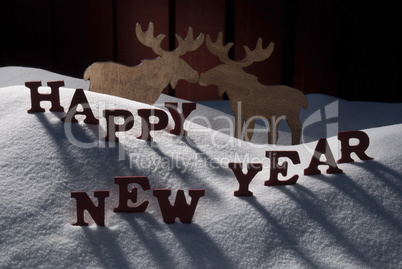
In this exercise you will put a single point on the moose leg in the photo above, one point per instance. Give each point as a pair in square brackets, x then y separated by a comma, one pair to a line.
[249, 130]
[238, 120]
[276, 137]
[273, 133]
[238, 127]
[296, 128]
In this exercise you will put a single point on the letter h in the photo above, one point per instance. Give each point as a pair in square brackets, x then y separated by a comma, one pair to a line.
[53, 97]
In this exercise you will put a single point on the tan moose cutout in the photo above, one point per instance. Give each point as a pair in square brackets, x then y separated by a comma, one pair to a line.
[146, 81]
[249, 99]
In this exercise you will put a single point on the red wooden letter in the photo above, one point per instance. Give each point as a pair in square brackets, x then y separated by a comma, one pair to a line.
[245, 179]
[276, 169]
[147, 127]
[53, 97]
[112, 128]
[79, 98]
[322, 148]
[180, 209]
[359, 149]
[179, 118]
[85, 203]
[125, 195]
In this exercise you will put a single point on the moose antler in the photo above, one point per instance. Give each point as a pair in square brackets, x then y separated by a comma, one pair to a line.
[220, 50]
[189, 43]
[256, 55]
[148, 39]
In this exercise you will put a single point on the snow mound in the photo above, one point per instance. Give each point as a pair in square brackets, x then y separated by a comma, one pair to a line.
[347, 220]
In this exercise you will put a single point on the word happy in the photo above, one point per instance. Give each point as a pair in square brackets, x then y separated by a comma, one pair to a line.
[181, 209]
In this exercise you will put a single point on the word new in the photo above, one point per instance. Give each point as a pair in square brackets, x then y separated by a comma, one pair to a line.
[322, 149]
[79, 98]
[180, 209]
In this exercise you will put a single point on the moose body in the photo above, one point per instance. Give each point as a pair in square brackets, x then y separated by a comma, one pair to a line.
[251, 100]
[146, 81]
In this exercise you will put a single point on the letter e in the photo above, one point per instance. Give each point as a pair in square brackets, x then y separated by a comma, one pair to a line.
[125, 195]
[276, 169]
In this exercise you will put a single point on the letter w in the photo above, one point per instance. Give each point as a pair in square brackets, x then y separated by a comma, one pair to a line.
[180, 209]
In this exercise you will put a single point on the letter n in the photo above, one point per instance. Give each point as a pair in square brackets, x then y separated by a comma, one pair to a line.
[245, 179]
[359, 149]
[53, 97]
[180, 209]
[85, 203]
[322, 148]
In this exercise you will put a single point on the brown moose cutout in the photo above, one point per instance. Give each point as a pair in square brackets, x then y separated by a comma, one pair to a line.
[249, 99]
[146, 81]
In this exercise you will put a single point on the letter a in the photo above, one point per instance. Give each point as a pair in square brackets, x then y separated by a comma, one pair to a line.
[322, 148]
[79, 98]
[181, 209]
[53, 97]
[85, 203]
[245, 179]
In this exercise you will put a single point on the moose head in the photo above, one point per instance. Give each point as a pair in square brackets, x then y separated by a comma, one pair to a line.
[146, 81]
[171, 62]
[231, 73]
[249, 98]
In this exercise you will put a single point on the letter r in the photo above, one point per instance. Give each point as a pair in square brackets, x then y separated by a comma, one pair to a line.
[359, 149]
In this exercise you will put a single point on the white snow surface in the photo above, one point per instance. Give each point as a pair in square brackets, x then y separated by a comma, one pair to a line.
[347, 220]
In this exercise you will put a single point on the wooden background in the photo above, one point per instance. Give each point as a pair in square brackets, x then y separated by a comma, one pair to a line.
[343, 48]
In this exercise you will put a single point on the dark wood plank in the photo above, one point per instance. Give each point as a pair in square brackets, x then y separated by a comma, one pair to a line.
[129, 12]
[207, 17]
[315, 54]
[98, 26]
[27, 34]
[263, 19]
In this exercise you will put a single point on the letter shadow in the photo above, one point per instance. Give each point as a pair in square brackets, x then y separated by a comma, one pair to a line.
[200, 247]
[188, 177]
[288, 238]
[213, 166]
[80, 161]
[362, 194]
[383, 175]
[143, 226]
[310, 204]
[106, 248]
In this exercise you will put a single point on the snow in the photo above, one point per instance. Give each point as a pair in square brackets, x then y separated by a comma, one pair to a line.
[347, 220]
